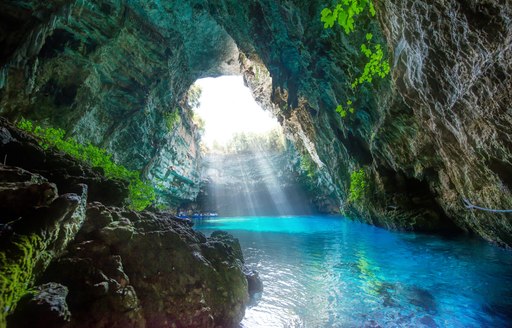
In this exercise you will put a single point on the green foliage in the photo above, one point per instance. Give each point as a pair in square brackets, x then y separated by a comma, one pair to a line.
[345, 12]
[198, 122]
[358, 185]
[246, 142]
[17, 272]
[25, 125]
[141, 194]
[307, 165]
[343, 110]
[377, 65]
[172, 119]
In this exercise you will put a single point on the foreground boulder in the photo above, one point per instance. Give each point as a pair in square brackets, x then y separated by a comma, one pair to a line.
[36, 225]
[111, 267]
[146, 269]
[44, 307]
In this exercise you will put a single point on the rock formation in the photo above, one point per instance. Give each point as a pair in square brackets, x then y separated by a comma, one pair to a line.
[97, 265]
[435, 133]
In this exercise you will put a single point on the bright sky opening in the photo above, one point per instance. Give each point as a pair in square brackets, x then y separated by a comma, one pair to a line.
[227, 107]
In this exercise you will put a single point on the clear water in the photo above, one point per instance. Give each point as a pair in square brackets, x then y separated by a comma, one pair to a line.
[321, 271]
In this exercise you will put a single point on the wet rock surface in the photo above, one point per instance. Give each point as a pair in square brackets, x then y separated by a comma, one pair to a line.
[435, 133]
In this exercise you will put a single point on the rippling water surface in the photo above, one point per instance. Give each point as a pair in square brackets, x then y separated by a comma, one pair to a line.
[325, 271]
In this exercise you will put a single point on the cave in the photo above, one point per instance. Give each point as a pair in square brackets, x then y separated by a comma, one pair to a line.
[114, 213]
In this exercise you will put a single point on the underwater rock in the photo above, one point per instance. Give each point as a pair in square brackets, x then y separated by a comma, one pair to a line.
[254, 281]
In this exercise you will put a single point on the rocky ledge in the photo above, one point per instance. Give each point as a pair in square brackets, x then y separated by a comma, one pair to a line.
[67, 262]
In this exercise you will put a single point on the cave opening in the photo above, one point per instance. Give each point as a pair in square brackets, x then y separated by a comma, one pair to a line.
[245, 169]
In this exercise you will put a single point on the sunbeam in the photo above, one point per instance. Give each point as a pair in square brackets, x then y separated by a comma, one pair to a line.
[245, 160]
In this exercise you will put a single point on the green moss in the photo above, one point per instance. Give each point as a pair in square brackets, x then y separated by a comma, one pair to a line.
[358, 185]
[17, 271]
[141, 194]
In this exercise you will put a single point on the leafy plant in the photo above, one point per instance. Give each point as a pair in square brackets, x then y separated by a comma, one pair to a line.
[198, 122]
[343, 110]
[358, 185]
[345, 13]
[272, 141]
[377, 65]
[172, 119]
[141, 194]
[307, 165]
[194, 95]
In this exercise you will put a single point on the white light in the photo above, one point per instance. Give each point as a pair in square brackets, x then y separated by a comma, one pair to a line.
[227, 107]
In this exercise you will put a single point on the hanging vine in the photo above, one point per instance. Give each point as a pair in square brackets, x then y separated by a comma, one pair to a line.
[346, 14]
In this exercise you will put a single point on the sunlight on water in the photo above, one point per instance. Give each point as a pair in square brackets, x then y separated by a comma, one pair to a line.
[323, 271]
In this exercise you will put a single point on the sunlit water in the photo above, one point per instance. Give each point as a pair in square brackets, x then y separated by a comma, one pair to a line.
[324, 271]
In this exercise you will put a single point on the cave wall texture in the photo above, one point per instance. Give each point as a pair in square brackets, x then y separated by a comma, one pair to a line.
[67, 260]
[434, 133]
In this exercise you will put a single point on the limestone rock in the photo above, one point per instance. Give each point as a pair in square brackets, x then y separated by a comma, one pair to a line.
[160, 274]
[122, 268]
[36, 225]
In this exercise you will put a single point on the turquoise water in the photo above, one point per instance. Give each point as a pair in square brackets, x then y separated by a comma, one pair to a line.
[321, 271]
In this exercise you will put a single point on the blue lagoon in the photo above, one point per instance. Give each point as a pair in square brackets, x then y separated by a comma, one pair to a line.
[328, 271]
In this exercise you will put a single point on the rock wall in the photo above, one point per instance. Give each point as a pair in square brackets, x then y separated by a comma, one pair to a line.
[433, 134]
[67, 261]
[453, 72]
[436, 133]
[113, 73]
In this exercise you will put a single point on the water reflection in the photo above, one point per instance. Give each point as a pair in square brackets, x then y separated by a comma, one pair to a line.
[330, 272]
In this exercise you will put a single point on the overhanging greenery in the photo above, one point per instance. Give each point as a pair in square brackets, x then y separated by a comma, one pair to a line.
[141, 194]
